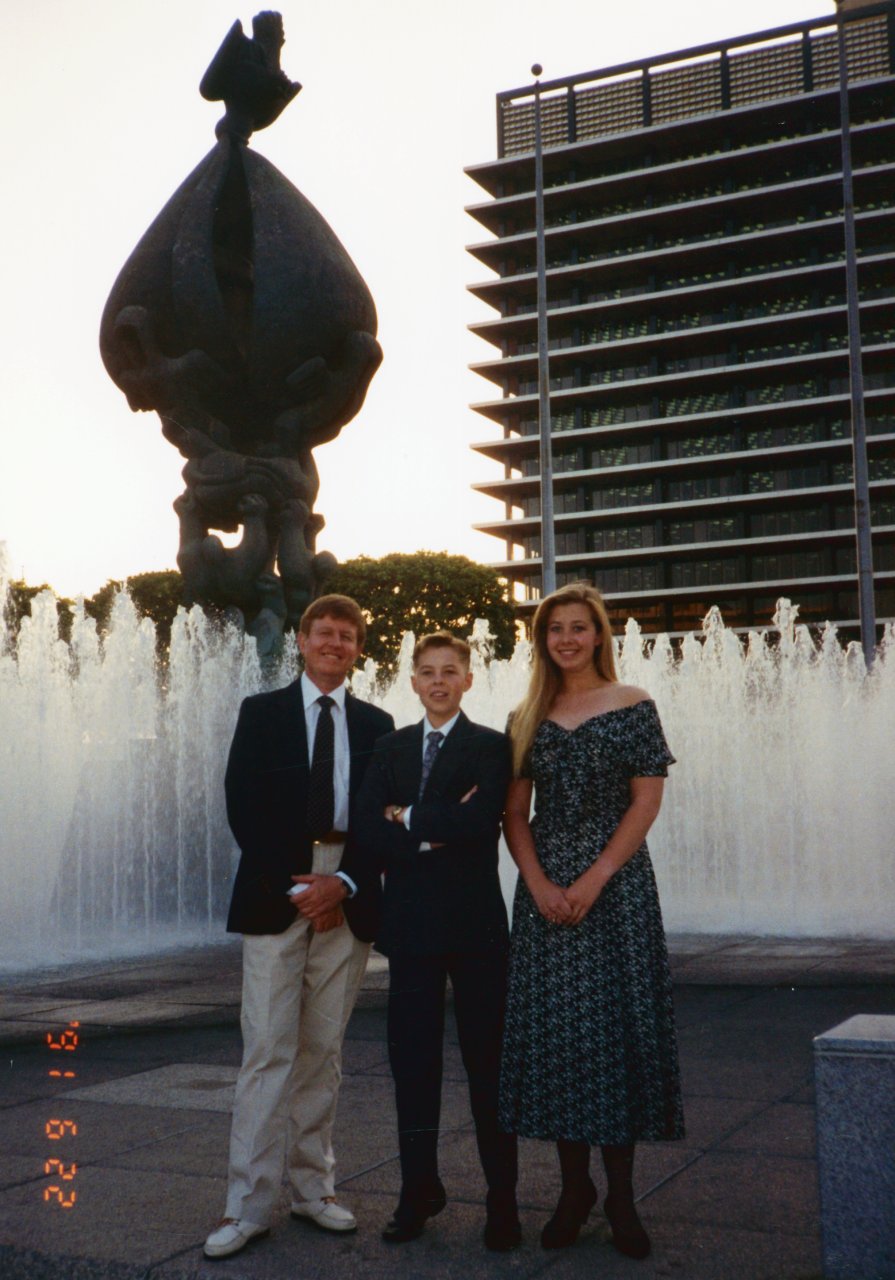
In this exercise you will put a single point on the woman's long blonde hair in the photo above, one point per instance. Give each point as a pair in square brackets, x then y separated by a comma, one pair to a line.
[545, 681]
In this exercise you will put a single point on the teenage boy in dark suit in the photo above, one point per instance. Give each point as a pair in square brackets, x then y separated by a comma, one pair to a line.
[429, 817]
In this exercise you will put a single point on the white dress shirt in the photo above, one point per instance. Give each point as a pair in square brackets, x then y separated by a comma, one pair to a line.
[342, 764]
[428, 728]
[342, 753]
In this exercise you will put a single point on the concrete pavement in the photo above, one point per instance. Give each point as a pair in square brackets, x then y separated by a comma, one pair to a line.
[113, 1168]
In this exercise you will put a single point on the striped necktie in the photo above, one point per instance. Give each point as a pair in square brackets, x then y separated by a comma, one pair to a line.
[433, 742]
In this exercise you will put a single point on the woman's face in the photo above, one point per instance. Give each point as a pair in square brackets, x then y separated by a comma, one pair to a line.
[572, 638]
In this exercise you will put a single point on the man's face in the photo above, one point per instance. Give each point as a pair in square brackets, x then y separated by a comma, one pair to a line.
[330, 649]
[440, 678]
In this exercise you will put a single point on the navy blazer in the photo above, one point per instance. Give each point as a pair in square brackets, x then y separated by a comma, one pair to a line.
[266, 786]
[445, 899]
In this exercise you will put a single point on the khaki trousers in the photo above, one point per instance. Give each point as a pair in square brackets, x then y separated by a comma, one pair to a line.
[298, 990]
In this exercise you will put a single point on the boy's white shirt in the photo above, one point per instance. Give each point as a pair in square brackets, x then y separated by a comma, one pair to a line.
[428, 728]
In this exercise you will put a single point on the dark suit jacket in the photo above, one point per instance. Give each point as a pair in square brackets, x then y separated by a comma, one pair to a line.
[266, 786]
[446, 899]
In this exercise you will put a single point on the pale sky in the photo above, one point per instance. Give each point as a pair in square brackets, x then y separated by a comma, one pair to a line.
[103, 120]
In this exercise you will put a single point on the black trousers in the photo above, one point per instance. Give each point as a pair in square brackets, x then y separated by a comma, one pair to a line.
[416, 1003]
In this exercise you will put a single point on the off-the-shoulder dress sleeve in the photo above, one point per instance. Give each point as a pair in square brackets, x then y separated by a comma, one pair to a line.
[646, 750]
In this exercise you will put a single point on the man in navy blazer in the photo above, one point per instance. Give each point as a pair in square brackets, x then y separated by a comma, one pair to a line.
[295, 768]
[429, 818]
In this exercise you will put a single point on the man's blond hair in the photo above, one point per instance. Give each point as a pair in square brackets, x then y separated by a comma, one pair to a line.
[342, 608]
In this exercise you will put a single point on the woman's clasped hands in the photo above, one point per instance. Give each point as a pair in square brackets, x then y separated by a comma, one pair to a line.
[564, 906]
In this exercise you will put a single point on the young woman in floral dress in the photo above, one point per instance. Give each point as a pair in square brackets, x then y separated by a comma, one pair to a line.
[590, 1054]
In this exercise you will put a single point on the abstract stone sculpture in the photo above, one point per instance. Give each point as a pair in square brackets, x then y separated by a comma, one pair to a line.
[242, 321]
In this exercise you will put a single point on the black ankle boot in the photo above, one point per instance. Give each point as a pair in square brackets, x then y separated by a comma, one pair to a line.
[628, 1234]
[570, 1215]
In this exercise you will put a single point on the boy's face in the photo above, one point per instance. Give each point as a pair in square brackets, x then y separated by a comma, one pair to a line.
[440, 678]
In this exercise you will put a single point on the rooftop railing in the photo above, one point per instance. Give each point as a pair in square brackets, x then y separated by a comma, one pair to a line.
[800, 58]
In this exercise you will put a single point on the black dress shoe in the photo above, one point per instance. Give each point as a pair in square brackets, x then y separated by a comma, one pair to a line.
[628, 1235]
[409, 1219]
[569, 1217]
[403, 1227]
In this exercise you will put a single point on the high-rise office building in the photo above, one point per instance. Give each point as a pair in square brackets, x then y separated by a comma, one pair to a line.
[697, 319]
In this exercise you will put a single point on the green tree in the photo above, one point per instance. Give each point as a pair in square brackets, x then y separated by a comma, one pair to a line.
[99, 605]
[421, 592]
[18, 606]
[156, 595]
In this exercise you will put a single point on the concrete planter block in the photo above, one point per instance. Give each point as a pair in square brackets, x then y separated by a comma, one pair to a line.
[854, 1067]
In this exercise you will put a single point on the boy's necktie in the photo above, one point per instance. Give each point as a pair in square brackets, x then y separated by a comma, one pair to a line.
[433, 741]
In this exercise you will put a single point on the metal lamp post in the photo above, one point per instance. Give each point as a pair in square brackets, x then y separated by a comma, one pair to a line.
[866, 603]
[548, 537]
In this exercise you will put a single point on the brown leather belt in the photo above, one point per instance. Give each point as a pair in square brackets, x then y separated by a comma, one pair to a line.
[333, 837]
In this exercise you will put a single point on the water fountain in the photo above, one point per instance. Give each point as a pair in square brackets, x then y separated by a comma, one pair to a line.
[778, 817]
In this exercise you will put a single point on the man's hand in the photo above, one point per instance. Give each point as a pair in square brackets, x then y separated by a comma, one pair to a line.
[325, 895]
[330, 921]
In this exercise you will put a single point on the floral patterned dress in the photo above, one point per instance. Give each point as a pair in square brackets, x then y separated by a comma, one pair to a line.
[590, 1052]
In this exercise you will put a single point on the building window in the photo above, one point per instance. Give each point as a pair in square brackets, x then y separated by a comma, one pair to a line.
[692, 488]
[568, 460]
[621, 455]
[793, 564]
[569, 543]
[702, 445]
[781, 479]
[621, 538]
[779, 437]
[771, 524]
[629, 578]
[630, 495]
[718, 529]
[697, 573]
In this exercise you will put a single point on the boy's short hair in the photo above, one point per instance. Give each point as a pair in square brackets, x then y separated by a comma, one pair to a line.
[441, 640]
[334, 606]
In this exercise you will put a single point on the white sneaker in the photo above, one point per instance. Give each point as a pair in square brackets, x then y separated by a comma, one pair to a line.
[232, 1235]
[326, 1214]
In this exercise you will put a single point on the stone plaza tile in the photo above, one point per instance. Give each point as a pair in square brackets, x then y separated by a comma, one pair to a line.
[185, 1086]
[111, 1218]
[783, 1129]
[74, 1129]
[742, 1190]
[708, 1120]
[124, 1011]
